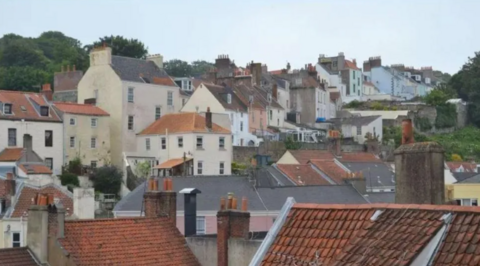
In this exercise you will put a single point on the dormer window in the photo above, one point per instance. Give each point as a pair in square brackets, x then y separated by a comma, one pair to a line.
[229, 98]
[250, 99]
[7, 109]
[44, 110]
[269, 97]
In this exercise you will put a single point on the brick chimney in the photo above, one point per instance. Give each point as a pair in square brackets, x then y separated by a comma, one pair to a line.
[274, 91]
[222, 62]
[9, 187]
[47, 91]
[366, 66]
[45, 220]
[208, 118]
[256, 71]
[419, 170]
[161, 203]
[231, 223]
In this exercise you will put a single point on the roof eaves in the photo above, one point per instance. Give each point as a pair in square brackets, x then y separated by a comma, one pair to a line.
[272, 233]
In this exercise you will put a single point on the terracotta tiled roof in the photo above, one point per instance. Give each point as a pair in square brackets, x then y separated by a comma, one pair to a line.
[351, 65]
[376, 234]
[11, 154]
[331, 169]
[17, 257]
[182, 123]
[35, 169]
[80, 109]
[127, 241]
[171, 163]
[26, 194]
[302, 174]
[359, 157]
[24, 106]
[303, 156]
[469, 167]
[276, 72]
[167, 81]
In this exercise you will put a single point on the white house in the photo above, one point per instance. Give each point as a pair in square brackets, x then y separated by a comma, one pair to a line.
[357, 127]
[27, 120]
[223, 100]
[134, 92]
[186, 144]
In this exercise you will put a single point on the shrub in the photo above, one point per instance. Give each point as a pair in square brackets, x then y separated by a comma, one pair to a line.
[290, 144]
[422, 123]
[446, 116]
[456, 158]
[69, 180]
[377, 106]
[107, 179]
[75, 166]
[353, 104]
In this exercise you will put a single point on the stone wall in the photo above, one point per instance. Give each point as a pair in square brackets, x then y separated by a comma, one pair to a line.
[65, 96]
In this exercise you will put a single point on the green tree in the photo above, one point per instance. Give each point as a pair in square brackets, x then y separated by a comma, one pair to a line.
[22, 78]
[19, 53]
[142, 169]
[291, 144]
[200, 67]
[70, 180]
[178, 68]
[107, 179]
[436, 98]
[121, 46]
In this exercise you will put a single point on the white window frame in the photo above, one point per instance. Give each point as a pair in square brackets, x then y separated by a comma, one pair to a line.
[147, 144]
[220, 144]
[163, 143]
[199, 147]
[200, 168]
[93, 122]
[74, 141]
[221, 167]
[20, 242]
[180, 142]
[4, 108]
[470, 201]
[170, 98]
[158, 112]
[131, 94]
[359, 130]
[93, 143]
[74, 121]
[128, 122]
[201, 231]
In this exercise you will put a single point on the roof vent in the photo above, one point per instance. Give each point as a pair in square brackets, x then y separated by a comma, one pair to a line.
[376, 215]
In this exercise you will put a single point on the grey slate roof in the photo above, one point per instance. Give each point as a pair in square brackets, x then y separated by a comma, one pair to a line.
[377, 175]
[130, 69]
[471, 180]
[215, 187]
[461, 176]
[381, 197]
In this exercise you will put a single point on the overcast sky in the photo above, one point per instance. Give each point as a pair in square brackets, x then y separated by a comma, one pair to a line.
[438, 33]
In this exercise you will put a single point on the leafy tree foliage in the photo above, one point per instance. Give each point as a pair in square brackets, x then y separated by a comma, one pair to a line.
[456, 158]
[179, 68]
[467, 85]
[436, 98]
[107, 179]
[122, 46]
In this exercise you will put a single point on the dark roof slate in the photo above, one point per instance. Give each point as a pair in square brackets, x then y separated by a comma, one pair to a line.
[132, 69]
[17, 257]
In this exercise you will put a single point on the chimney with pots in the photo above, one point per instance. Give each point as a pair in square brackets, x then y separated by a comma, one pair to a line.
[101, 56]
[157, 59]
[256, 71]
[366, 66]
[222, 62]
[208, 118]
[47, 91]
[161, 203]
[419, 170]
[231, 223]
[274, 91]
[190, 210]
[45, 220]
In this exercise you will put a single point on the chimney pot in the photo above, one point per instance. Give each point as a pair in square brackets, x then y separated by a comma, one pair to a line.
[407, 132]
[234, 203]
[244, 204]
[51, 199]
[208, 119]
[222, 203]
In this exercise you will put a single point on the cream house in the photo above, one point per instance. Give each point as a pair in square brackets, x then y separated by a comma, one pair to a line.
[187, 144]
[224, 100]
[27, 120]
[86, 133]
[134, 92]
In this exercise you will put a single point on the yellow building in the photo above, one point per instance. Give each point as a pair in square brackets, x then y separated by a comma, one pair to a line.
[86, 133]
[465, 192]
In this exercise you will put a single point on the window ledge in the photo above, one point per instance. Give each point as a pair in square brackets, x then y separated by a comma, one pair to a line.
[222, 149]
[200, 149]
